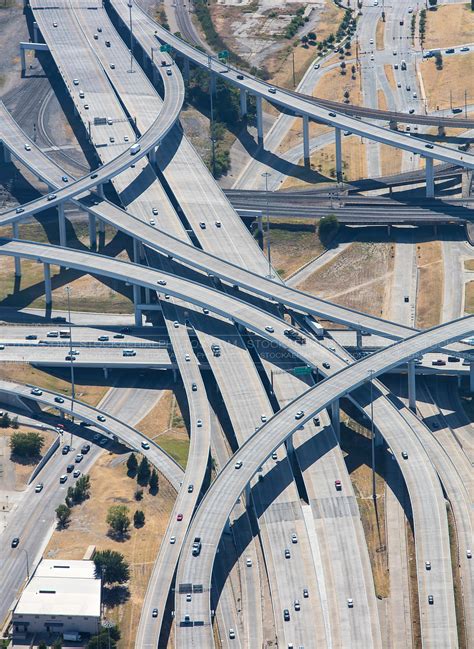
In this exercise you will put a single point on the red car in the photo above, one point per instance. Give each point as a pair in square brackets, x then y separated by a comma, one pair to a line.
[338, 485]
[179, 517]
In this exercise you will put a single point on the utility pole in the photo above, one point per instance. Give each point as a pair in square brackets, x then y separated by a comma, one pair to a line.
[293, 65]
[371, 373]
[131, 36]
[465, 104]
[209, 63]
[451, 99]
[267, 175]
[71, 357]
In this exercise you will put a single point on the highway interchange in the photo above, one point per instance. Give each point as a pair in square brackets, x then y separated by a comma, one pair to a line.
[226, 276]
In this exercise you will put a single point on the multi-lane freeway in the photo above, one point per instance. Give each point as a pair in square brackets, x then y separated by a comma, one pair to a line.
[217, 292]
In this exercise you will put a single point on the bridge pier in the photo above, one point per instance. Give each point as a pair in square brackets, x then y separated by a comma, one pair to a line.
[336, 419]
[247, 494]
[337, 134]
[359, 339]
[430, 187]
[411, 386]
[35, 31]
[6, 155]
[213, 83]
[101, 233]
[243, 102]
[441, 131]
[16, 235]
[393, 125]
[47, 285]
[259, 121]
[306, 155]
[136, 251]
[100, 190]
[471, 376]
[92, 231]
[62, 225]
[136, 302]
[186, 69]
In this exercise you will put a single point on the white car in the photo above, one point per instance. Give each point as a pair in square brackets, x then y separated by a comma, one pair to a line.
[350, 602]
[294, 538]
[152, 222]
[199, 423]
[372, 57]
[146, 446]
[27, 147]
[187, 357]
[248, 562]
[263, 418]
[172, 540]
[175, 324]
[371, 41]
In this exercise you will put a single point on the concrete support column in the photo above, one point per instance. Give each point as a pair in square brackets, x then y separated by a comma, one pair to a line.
[136, 302]
[147, 296]
[47, 284]
[259, 120]
[290, 448]
[337, 135]
[186, 69]
[471, 376]
[441, 131]
[247, 492]
[106, 372]
[100, 190]
[393, 125]
[306, 140]
[136, 251]
[154, 73]
[16, 235]
[430, 189]
[6, 155]
[92, 231]
[213, 83]
[359, 339]
[243, 102]
[411, 386]
[335, 419]
[62, 225]
[23, 61]
[35, 32]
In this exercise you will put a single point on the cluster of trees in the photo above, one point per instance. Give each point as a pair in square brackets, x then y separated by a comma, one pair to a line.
[143, 472]
[26, 445]
[413, 26]
[107, 638]
[118, 520]
[422, 26]
[74, 496]
[346, 27]
[295, 23]
[111, 567]
[328, 228]
[6, 421]
[57, 644]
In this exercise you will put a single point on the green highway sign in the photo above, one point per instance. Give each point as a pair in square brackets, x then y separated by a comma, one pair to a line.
[304, 370]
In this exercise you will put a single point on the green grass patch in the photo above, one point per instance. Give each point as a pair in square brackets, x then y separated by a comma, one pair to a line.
[178, 448]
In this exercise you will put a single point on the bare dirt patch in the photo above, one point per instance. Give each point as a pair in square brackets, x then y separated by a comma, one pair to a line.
[382, 100]
[292, 245]
[355, 441]
[110, 485]
[358, 278]
[390, 160]
[380, 35]
[469, 264]
[390, 76]
[164, 424]
[469, 297]
[446, 87]
[333, 85]
[23, 468]
[451, 24]
[430, 284]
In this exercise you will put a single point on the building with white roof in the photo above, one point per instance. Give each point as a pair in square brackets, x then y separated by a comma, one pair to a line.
[61, 597]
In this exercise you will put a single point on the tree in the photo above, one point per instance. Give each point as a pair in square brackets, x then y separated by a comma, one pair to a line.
[346, 94]
[63, 514]
[304, 40]
[42, 645]
[312, 36]
[117, 518]
[106, 638]
[26, 445]
[132, 465]
[111, 567]
[328, 228]
[153, 484]
[433, 3]
[353, 69]
[57, 644]
[139, 518]
[5, 420]
[143, 472]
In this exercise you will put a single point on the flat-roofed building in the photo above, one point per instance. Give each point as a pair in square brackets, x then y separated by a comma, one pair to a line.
[61, 597]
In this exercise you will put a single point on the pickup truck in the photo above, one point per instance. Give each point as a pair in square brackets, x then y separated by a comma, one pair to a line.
[196, 546]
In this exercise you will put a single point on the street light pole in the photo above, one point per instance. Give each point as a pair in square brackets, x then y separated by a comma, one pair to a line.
[27, 563]
[213, 151]
[267, 175]
[371, 373]
[71, 357]
[131, 36]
